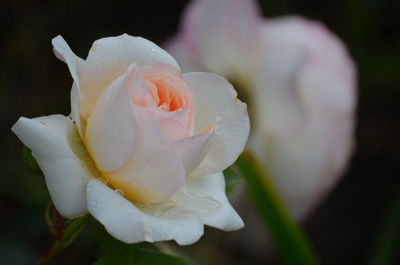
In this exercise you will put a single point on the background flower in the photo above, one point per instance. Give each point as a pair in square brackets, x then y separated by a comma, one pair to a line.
[298, 80]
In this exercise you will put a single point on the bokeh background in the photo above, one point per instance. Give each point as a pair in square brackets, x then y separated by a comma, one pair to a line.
[361, 217]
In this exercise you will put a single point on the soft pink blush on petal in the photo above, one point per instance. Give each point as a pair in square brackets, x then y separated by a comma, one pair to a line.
[174, 125]
[161, 91]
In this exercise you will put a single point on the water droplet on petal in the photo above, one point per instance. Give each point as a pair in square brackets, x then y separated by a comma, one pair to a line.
[153, 49]
[119, 191]
[148, 234]
[93, 203]
[157, 213]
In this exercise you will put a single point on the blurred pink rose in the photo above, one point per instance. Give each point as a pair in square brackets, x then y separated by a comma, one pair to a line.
[300, 84]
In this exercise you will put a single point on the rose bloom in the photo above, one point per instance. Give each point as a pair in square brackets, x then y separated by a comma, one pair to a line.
[144, 147]
[300, 83]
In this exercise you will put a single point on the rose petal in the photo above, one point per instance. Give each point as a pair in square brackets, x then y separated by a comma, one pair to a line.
[174, 125]
[112, 128]
[123, 220]
[65, 54]
[193, 150]
[220, 34]
[57, 148]
[305, 99]
[303, 178]
[75, 65]
[225, 113]
[293, 68]
[150, 179]
[110, 58]
[206, 198]
[154, 171]
[76, 108]
[186, 58]
[277, 101]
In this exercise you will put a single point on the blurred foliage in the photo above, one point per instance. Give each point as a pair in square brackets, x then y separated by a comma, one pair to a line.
[232, 179]
[289, 240]
[64, 235]
[386, 246]
[34, 83]
[119, 253]
[23, 198]
[30, 161]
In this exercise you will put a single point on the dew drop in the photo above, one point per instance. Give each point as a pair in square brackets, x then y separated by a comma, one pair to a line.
[169, 205]
[93, 203]
[153, 49]
[157, 213]
[119, 191]
[148, 235]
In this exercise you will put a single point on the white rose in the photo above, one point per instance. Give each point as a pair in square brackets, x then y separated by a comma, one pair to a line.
[144, 147]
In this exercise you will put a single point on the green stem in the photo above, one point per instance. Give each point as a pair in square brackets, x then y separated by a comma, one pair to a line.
[68, 235]
[55, 249]
[385, 247]
[291, 242]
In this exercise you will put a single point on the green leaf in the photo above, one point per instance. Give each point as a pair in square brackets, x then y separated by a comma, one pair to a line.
[73, 228]
[119, 253]
[30, 161]
[290, 241]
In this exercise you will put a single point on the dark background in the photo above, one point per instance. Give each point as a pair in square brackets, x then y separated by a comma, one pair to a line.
[347, 226]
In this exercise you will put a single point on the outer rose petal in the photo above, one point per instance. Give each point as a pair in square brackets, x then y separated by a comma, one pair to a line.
[56, 146]
[306, 66]
[201, 201]
[219, 34]
[183, 55]
[111, 128]
[76, 108]
[277, 100]
[109, 58]
[295, 50]
[126, 222]
[216, 105]
[206, 198]
[65, 54]
[75, 65]
[192, 150]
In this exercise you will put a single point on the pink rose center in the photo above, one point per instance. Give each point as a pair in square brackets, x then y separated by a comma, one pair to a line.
[162, 87]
